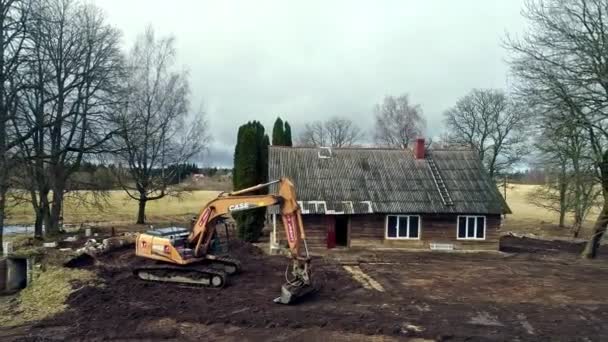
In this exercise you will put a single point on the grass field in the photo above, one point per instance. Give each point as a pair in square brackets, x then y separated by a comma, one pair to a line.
[527, 218]
[120, 208]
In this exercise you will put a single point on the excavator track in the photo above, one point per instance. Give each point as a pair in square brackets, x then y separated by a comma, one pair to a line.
[227, 265]
[204, 277]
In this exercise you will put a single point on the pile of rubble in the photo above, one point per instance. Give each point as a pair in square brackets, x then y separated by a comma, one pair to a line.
[94, 248]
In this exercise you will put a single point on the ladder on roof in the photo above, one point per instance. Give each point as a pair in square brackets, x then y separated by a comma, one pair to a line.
[439, 183]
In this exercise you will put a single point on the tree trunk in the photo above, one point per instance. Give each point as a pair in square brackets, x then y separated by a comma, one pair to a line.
[141, 213]
[562, 218]
[42, 217]
[56, 212]
[576, 228]
[40, 207]
[2, 208]
[563, 190]
[38, 232]
[579, 205]
[599, 228]
[3, 190]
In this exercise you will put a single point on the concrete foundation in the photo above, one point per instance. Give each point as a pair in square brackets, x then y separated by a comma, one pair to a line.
[14, 274]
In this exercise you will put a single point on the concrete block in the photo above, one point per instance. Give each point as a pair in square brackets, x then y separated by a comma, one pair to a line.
[14, 274]
[7, 247]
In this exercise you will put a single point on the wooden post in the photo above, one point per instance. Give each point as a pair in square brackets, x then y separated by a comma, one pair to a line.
[273, 238]
[504, 183]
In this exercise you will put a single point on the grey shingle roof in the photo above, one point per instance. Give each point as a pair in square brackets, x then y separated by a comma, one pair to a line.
[365, 180]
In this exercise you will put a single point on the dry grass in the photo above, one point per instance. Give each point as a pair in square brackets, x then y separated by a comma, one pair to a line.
[46, 295]
[120, 208]
[527, 218]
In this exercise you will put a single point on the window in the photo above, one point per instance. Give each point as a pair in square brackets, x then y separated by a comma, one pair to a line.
[471, 227]
[403, 227]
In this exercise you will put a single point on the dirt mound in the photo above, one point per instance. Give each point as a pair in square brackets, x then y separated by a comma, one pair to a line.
[528, 296]
[82, 260]
[242, 250]
[513, 244]
[128, 302]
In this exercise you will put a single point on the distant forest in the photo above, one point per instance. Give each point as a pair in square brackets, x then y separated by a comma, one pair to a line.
[90, 176]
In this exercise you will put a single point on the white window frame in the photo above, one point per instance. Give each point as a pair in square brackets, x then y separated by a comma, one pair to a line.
[466, 228]
[408, 228]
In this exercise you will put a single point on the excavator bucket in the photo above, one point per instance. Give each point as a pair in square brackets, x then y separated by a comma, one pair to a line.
[291, 293]
[300, 285]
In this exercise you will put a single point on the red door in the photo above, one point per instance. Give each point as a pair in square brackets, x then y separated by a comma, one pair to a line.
[330, 223]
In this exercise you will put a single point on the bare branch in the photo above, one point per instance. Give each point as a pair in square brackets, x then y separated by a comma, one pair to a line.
[335, 132]
[398, 122]
[561, 70]
[495, 127]
[154, 125]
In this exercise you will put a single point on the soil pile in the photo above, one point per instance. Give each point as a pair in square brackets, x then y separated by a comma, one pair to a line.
[124, 306]
[512, 244]
[535, 295]
[242, 250]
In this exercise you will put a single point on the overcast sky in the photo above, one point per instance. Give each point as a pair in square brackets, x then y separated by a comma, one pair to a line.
[308, 60]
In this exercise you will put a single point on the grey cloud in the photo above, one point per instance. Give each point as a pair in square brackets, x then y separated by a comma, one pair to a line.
[309, 60]
[218, 155]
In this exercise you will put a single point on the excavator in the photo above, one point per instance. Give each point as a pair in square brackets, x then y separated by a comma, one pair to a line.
[187, 257]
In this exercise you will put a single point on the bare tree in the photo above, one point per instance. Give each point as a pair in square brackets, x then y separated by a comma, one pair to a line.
[566, 142]
[491, 124]
[342, 132]
[73, 66]
[552, 195]
[335, 132]
[572, 187]
[13, 19]
[563, 195]
[314, 134]
[155, 130]
[562, 61]
[398, 122]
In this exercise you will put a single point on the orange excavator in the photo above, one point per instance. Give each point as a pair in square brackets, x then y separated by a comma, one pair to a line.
[188, 253]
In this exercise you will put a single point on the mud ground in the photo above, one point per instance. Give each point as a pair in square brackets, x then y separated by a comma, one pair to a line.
[536, 291]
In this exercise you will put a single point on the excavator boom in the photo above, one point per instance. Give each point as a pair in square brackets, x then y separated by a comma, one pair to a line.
[189, 250]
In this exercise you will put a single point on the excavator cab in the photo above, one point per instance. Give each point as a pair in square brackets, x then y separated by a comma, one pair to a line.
[194, 253]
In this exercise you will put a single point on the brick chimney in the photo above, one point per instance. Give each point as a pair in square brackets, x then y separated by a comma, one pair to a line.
[419, 148]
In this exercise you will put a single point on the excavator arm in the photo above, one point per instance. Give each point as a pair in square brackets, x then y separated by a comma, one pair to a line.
[204, 227]
[237, 201]
[186, 252]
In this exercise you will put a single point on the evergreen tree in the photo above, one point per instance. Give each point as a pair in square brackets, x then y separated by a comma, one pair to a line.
[278, 133]
[264, 159]
[287, 135]
[250, 168]
[237, 157]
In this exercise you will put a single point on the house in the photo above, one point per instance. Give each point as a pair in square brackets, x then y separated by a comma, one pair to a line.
[198, 177]
[422, 199]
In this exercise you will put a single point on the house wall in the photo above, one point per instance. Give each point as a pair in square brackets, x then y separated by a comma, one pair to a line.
[316, 230]
[369, 231]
